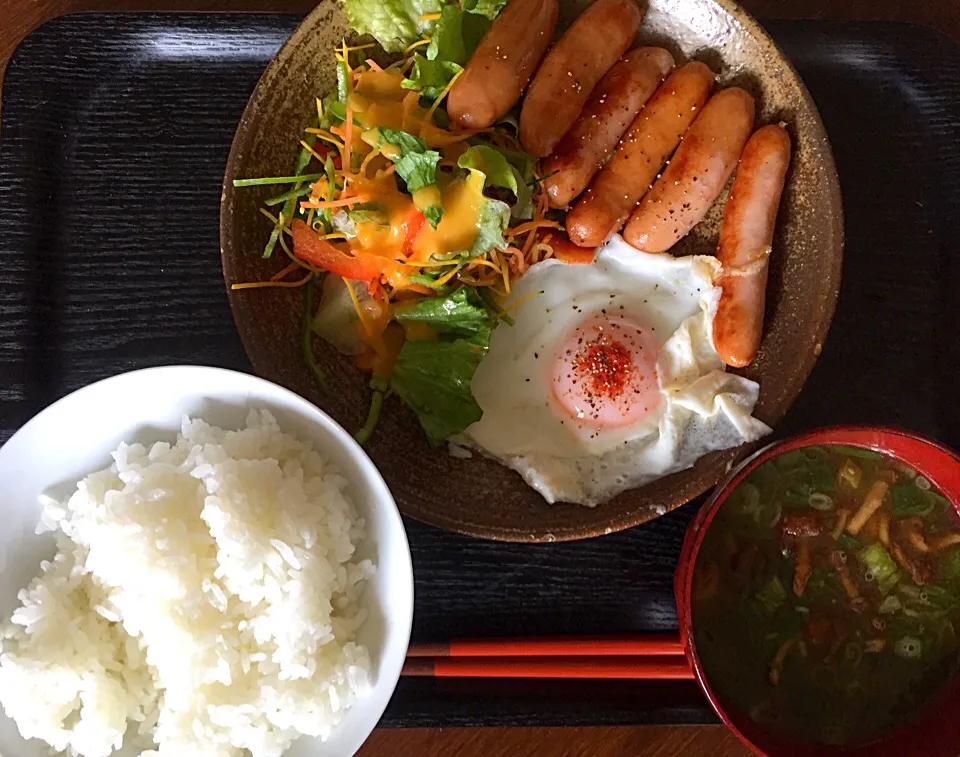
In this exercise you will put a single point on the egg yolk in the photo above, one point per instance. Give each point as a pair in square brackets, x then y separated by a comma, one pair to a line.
[605, 373]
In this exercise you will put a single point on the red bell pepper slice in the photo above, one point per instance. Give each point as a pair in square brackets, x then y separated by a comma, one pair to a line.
[414, 225]
[356, 265]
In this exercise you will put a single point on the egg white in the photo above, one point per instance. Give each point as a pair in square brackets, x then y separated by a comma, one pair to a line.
[704, 408]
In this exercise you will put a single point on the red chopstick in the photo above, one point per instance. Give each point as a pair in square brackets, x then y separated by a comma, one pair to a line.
[635, 668]
[635, 645]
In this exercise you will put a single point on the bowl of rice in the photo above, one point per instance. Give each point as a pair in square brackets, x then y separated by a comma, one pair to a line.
[195, 561]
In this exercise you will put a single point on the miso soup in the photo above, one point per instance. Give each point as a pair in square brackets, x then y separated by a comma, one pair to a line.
[826, 596]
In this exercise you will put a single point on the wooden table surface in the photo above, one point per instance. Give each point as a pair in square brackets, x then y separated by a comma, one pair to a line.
[20, 16]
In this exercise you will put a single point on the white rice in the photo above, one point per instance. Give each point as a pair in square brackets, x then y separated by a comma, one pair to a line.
[205, 595]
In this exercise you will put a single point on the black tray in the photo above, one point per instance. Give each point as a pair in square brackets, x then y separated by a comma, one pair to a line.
[115, 134]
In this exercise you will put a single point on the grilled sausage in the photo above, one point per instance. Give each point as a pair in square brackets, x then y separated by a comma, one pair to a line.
[746, 238]
[502, 64]
[696, 175]
[571, 70]
[650, 140]
[612, 106]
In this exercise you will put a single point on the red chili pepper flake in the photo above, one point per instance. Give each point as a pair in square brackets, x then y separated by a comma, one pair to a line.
[606, 365]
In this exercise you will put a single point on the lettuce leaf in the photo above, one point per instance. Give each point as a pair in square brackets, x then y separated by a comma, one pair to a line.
[488, 8]
[499, 171]
[463, 313]
[456, 35]
[416, 163]
[395, 24]
[430, 77]
[366, 212]
[433, 214]
[418, 169]
[454, 38]
[403, 141]
[433, 377]
[492, 222]
[488, 161]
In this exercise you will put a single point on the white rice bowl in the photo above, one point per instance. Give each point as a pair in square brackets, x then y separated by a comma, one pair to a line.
[207, 597]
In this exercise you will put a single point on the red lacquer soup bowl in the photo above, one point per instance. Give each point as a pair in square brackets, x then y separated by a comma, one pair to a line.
[936, 732]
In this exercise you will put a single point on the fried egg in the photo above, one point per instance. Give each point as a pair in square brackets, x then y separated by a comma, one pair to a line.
[607, 378]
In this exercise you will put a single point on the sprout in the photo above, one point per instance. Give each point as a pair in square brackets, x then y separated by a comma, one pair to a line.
[909, 648]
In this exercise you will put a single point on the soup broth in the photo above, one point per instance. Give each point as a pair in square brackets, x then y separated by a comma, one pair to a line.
[826, 596]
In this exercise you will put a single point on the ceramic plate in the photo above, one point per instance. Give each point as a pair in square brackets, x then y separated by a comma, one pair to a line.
[478, 496]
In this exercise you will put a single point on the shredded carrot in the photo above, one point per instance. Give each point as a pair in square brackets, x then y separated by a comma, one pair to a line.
[313, 152]
[343, 201]
[438, 138]
[282, 273]
[271, 216]
[347, 140]
[373, 64]
[520, 262]
[429, 17]
[523, 228]
[415, 45]
[505, 271]
[540, 251]
[361, 313]
[521, 301]
[265, 284]
[383, 172]
[366, 161]
[447, 276]
[486, 264]
[443, 94]
[326, 136]
[420, 289]
[529, 242]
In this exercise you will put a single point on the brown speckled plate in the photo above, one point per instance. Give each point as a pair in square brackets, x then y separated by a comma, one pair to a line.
[478, 496]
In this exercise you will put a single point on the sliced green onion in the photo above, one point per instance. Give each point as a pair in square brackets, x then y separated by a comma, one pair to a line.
[290, 205]
[853, 653]
[922, 484]
[272, 241]
[910, 591]
[326, 214]
[848, 542]
[820, 501]
[890, 605]
[749, 498]
[868, 454]
[278, 179]
[777, 511]
[343, 84]
[295, 192]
